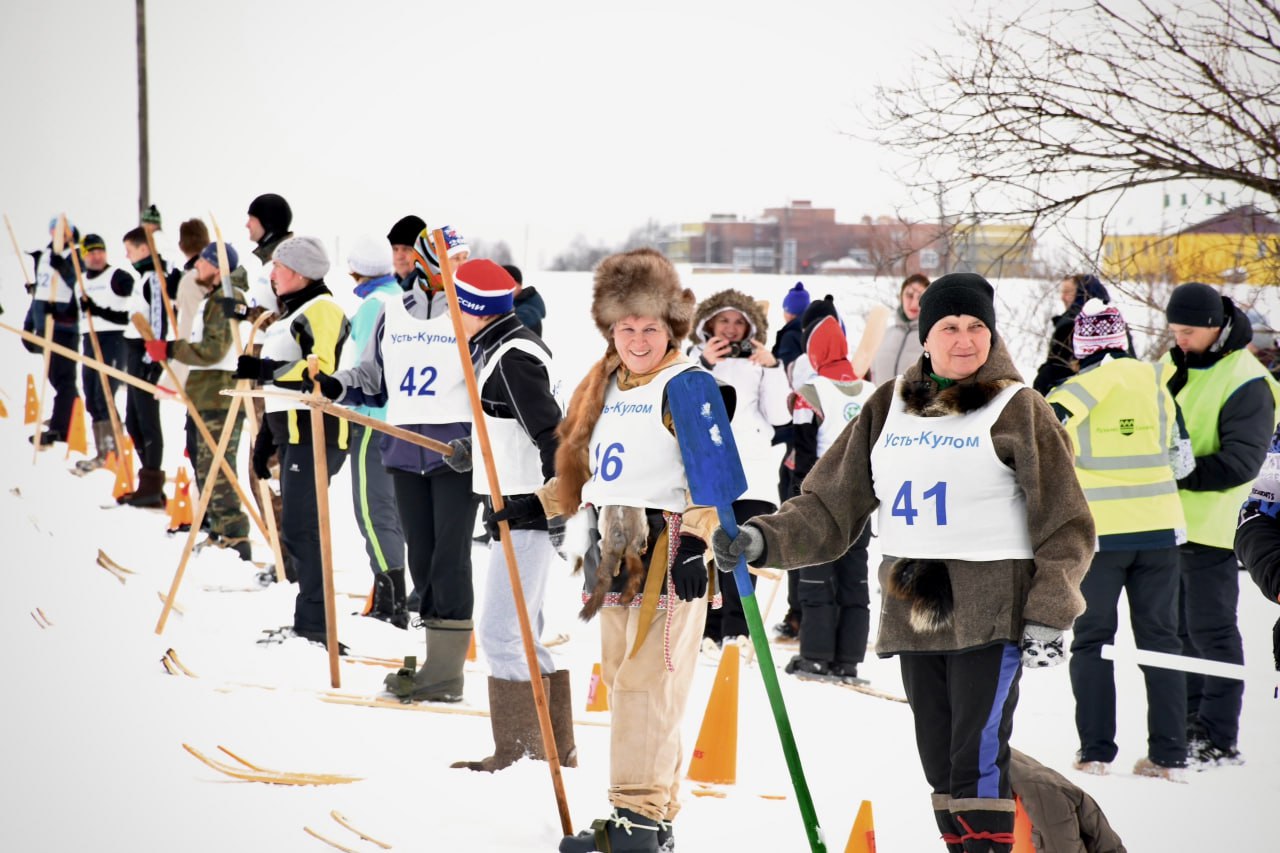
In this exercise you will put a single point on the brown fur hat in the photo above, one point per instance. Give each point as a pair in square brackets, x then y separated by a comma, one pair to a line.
[640, 283]
[723, 301]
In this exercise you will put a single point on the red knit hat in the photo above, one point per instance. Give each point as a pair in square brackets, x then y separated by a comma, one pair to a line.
[484, 288]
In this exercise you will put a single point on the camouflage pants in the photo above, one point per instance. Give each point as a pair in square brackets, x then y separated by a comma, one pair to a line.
[225, 515]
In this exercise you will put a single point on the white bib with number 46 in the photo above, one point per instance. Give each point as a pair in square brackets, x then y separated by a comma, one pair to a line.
[422, 370]
[943, 492]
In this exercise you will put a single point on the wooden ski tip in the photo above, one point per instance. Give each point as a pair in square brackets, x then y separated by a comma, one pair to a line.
[309, 831]
[346, 824]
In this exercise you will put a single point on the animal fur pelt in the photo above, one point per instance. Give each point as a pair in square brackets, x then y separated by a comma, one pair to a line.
[624, 534]
[923, 399]
[926, 584]
[640, 283]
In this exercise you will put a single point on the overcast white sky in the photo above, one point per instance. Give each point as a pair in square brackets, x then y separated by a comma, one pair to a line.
[521, 121]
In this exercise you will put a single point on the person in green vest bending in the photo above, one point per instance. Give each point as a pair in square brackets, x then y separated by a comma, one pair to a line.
[1229, 403]
[1130, 449]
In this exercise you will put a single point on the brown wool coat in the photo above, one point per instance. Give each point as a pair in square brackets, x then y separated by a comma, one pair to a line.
[991, 598]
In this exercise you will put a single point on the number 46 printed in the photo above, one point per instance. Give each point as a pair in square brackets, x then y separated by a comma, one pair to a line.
[902, 502]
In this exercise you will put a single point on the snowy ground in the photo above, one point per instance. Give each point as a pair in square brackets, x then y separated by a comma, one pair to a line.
[93, 726]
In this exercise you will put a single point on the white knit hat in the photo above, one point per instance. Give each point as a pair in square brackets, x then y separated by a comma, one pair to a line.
[370, 257]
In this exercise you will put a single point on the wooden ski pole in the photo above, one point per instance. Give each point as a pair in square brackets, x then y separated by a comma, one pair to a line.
[117, 433]
[90, 362]
[250, 414]
[17, 251]
[59, 243]
[219, 463]
[320, 458]
[481, 436]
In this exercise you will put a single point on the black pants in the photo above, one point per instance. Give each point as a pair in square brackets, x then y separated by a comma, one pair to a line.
[112, 346]
[300, 529]
[142, 409]
[835, 606]
[1151, 580]
[963, 704]
[1207, 627]
[62, 376]
[787, 489]
[436, 515]
[731, 620]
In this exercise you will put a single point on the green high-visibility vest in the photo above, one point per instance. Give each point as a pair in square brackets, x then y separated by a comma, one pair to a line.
[1211, 516]
[1123, 421]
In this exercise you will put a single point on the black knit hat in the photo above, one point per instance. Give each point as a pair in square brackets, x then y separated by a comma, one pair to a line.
[954, 294]
[406, 230]
[1196, 304]
[514, 272]
[91, 242]
[273, 212]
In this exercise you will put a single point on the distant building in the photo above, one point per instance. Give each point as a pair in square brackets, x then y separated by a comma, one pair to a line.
[995, 251]
[803, 239]
[1239, 246]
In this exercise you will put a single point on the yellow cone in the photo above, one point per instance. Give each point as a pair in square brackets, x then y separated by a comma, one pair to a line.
[76, 438]
[597, 692]
[32, 409]
[863, 837]
[715, 757]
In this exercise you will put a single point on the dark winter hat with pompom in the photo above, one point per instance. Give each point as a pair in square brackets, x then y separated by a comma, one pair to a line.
[954, 294]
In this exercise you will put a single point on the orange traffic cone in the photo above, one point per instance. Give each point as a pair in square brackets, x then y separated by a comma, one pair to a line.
[180, 507]
[471, 647]
[862, 839]
[122, 464]
[1022, 842]
[4, 412]
[76, 438]
[597, 691]
[32, 410]
[715, 757]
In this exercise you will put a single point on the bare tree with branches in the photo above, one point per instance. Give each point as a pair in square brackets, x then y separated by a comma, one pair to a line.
[1076, 101]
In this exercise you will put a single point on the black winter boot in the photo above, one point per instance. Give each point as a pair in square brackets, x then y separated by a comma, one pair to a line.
[985, 831]
[514, 719]
[561, 702]
[950, 830]
[388, 602]
[623, 831]
[150, 492]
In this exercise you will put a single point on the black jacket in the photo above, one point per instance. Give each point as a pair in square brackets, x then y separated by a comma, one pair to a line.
[531, 309]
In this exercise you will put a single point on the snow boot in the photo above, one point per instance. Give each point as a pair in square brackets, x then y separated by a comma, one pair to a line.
[440, 679]
[623, 831]
[48, 438]
[387, 600]
[985, 830]
[150, 493]
[103, 442]
[514, 720]
[949, 828]
[561, 702]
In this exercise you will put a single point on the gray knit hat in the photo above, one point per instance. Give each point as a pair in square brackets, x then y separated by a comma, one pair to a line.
[303, 255]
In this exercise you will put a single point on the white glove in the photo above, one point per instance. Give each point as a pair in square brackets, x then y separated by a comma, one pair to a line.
[1041, 646]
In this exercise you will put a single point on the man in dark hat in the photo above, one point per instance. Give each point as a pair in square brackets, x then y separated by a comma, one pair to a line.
[1229, 403]
[402, 237]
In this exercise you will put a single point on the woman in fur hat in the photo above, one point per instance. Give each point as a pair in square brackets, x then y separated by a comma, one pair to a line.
[972, 482]
[646, 573]
[729, 328]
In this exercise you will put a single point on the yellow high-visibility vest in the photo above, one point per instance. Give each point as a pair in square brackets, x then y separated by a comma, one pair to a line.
[1123, 421]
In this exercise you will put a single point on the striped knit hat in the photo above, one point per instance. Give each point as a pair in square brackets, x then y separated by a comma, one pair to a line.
[484, 288]
[1099, 326]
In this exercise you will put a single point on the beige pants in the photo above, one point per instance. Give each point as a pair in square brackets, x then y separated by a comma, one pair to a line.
[647, 703]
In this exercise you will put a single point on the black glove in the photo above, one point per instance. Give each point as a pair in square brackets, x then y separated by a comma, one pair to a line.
[263, 446]
[750, 542]
[517, 509]
[88, 306]
[257, 369]
[689, 571]
[329, 387]
[460, 459]
[233, 309]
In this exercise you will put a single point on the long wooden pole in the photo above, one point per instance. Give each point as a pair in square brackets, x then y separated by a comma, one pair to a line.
[320, 462]
[250, 415]
[91, 362]
[117, 433]
[481, 436]
[228, 470]
[206, 494]
[59, 243]
[17, 250]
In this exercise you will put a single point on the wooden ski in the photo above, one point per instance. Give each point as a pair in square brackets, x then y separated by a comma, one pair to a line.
[346, 824]
[335, 845]
[252, 773]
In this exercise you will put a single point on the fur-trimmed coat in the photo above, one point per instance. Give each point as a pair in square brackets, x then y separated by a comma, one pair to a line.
[971, 604]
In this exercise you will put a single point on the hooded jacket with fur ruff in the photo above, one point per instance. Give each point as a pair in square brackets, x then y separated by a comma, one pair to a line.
[951, 605]
[727, 300]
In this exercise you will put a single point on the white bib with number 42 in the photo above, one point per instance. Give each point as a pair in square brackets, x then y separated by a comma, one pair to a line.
[943, 492]
[422, 370]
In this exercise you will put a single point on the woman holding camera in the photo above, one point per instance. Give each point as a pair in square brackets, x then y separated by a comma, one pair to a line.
[729, 330]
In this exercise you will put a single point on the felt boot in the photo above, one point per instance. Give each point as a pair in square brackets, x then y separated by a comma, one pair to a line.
[150, 492]
[514, 719]
[561, 703]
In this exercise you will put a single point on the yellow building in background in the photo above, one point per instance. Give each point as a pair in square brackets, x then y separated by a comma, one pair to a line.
[1240, 246]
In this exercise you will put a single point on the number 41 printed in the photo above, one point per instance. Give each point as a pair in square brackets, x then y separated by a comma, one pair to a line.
[902, 502]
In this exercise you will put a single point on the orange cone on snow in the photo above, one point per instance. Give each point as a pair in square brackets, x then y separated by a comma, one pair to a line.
[471, 647]
[1022, 842]
[32, 409]
[863, 837]
[123, 466]
[715, 757]
[597, 692]
[4, 412]
[180, 507]
[76, 438]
